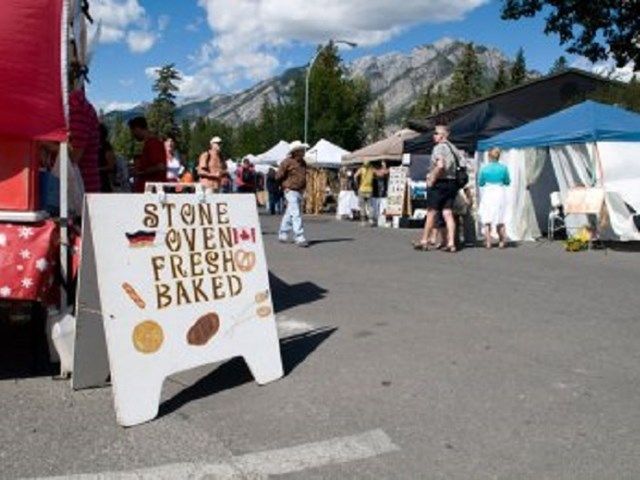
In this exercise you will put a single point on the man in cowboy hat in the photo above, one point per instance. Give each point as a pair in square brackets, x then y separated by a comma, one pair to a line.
[211, 168]
[292, 175]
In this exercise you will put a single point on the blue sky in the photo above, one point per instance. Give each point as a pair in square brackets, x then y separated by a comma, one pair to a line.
[225, 45]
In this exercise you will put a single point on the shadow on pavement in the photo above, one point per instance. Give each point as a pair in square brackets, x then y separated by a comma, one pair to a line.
[329, 240]
[294, 349]
[287, 296]
[23, 344]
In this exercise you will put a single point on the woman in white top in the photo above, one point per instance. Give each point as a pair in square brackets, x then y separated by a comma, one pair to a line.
[174, 165]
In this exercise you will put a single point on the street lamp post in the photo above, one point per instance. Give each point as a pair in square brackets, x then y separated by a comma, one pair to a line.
[306, 83]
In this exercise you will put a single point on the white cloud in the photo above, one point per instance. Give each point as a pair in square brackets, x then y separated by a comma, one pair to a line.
[607, 69]
[140, 41]
[125, 20]
[126, 82]
[111, 106]
[250, 35]
[163, 22]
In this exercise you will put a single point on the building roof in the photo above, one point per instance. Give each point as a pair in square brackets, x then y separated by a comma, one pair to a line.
[534, 99]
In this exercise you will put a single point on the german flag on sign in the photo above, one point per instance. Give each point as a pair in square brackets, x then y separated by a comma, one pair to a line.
[141, 238]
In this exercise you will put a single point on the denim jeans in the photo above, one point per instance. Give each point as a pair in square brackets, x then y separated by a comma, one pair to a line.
[292, 219]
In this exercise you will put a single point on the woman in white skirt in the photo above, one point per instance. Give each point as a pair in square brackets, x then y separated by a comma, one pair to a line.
[493, 179]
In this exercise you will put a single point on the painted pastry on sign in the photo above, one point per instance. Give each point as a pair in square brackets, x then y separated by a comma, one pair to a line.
[245, 260]
[148, 336]
[262, 296]
[141, 238]
[133, 295]
[263, 311]
[204, 329]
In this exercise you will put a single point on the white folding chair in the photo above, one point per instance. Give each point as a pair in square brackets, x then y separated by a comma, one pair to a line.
[556, 217]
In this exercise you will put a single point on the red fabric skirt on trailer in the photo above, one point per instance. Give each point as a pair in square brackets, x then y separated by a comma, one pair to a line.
[29, 261]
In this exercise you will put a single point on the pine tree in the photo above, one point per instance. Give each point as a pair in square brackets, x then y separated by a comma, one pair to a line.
[424, 105]
[502, 80]
[519, 69]
[161, 114]
[560, 65]
[467, 78]
[375, 122]
[122, 141]
[337, 105]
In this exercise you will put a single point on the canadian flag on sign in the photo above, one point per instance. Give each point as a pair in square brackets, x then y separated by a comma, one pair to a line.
[244, 235]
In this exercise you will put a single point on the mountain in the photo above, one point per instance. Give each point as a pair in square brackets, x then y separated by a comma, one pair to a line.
[395, 78]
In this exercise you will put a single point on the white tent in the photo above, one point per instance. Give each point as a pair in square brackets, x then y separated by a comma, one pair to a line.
[325, 154]
[274, 155]
[589, 145]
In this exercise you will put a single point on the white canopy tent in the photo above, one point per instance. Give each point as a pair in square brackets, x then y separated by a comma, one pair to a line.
[588, 145]
[274, 155]
[325, 154]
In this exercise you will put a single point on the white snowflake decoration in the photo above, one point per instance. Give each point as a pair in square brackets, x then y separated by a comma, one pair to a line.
[25, 232]
[20, 268]
[25, 254]
[5, 292]
[41, 264]
[26, 282]
[3, 240]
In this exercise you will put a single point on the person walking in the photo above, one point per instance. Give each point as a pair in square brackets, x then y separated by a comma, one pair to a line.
[211, 167]
[292, 175]
[443, 189]
[275, 192]
[493, 180]
[365, 177]
[151, 165]
[246, 177]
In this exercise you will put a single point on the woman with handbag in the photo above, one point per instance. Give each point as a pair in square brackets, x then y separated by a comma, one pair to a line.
[442, 190]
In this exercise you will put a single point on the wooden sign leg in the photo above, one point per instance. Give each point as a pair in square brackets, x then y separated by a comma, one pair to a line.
[263, 354]
[137, 396]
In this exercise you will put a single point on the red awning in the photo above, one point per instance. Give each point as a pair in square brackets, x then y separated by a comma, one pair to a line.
[31, 69]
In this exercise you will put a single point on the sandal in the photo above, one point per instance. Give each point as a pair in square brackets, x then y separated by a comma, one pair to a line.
[450, 249]
[420, 246]
[502, 245]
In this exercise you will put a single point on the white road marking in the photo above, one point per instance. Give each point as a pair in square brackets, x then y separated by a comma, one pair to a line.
[262, 464]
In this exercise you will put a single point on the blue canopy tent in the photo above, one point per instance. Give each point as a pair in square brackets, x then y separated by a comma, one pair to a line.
[588, 145]
[583, 123]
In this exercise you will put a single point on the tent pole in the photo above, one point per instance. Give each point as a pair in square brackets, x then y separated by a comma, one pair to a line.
[64, 223]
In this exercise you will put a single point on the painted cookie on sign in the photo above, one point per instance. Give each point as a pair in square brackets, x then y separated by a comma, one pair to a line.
[148, 336]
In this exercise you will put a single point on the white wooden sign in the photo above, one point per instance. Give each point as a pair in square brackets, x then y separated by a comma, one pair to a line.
[181, 283]
[397, 190]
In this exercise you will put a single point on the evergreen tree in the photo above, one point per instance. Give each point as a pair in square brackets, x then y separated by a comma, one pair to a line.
[623, 95]
[337, 105]
[467, 78]
[519, 69]
[502, 80]
[122, 141]
[560, 65]
[375, 122]
[161, 114]
[424, 105]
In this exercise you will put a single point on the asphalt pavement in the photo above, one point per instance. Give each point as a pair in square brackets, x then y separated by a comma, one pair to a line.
[503, 364]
